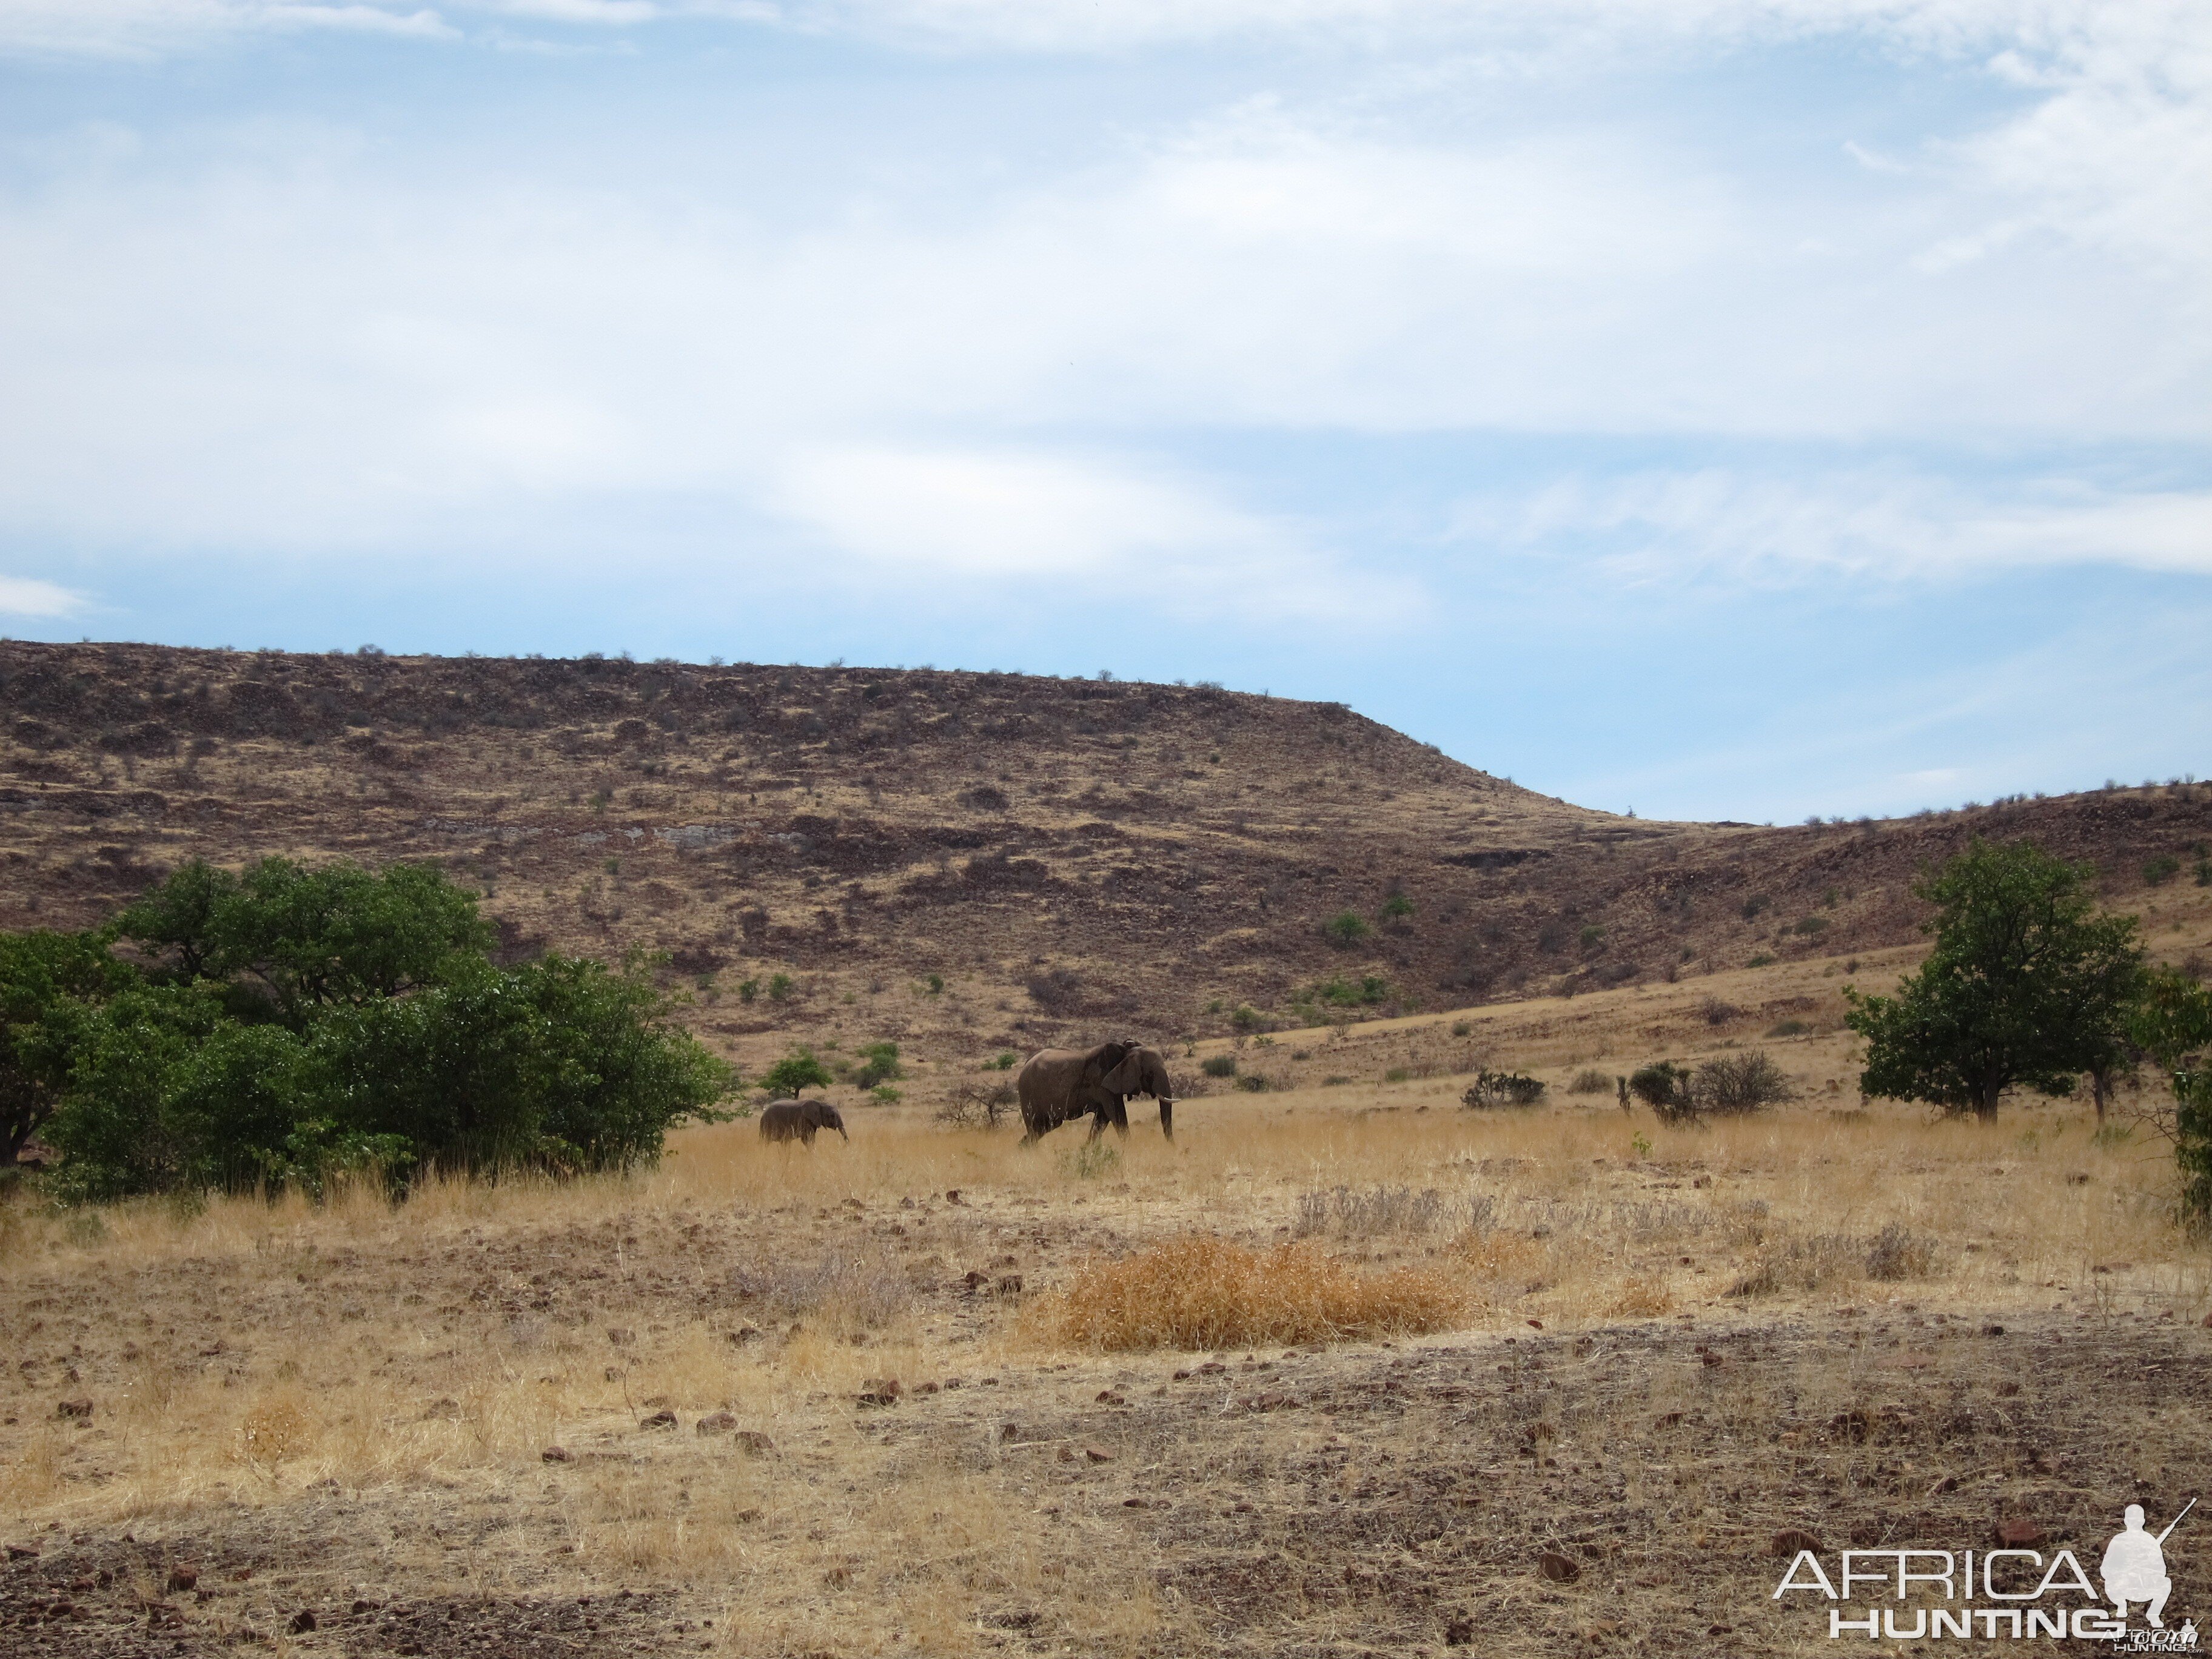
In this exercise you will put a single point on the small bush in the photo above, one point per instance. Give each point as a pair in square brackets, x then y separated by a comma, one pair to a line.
[859, 1289]
[884, 1095]
[1788, 1028]
[1665, 1088]
[779, 987]
[1339, 993]
[1461, 1028]
[880, 1064]
[1202, 1293]
[1714, 1011]
[1004, 1063]
[1247, 1019]
[1896, 1252]
[2161, 870]
[1503, 1089]
[1590, 1081]
[1591, 937]
[1347, 928]
[1396, 1074]
[1253, 1083]
[1755, 905]
[1811, 926]
[1219, 1066]
[1334, 1081]
[1760, 959]
[974, 1105]
[1736, 1084]
[1397, 908]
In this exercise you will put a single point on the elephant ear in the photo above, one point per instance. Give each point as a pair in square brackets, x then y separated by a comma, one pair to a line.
[1140, 1072]
[1106, 1059]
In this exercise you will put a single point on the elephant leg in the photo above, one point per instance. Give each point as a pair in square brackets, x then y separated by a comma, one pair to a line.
[1121, 1119]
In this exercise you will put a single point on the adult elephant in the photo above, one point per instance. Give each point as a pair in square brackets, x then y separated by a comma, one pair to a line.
[1061, 1085]
[799, 1119]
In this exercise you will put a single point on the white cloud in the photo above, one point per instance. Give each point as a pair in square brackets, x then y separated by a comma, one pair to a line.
[145, 27]
[1719, 523]
[1092, 523]
[22, 596]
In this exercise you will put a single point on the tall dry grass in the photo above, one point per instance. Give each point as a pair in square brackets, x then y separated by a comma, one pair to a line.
[1201, 1292]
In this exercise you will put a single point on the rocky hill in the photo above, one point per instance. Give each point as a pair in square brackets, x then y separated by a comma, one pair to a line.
[960, 862]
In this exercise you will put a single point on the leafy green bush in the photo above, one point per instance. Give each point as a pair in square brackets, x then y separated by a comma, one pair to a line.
[2161, 870]
[1247, 1019]
[1760, 959]
[298, 1023]
[748, 989]
[1337, 992]
[1219, 1066]
[880, 1064]
[1397, 908]
[1347, 928]
[780, 987]
[1810, 926]
[1591, 937]
[1665, 1088]
[884, 1095]
[1003, 1062]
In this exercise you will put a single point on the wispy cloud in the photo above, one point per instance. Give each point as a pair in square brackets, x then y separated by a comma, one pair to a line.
[1716, 524]
[23, 595]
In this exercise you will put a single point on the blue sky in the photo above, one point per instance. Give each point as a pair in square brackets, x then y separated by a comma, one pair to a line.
[1717, 408]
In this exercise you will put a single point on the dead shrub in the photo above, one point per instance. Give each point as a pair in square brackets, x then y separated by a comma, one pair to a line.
[977, 1105]
[1201, 1292]
[1736, 1084]
[1644, 1296]
[1714, 1011]
[1590, 1081]
[1369, 1215]
[866, 1290]
[1898, 1252]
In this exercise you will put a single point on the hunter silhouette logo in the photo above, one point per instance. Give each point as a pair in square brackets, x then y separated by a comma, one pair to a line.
[2024, 1596]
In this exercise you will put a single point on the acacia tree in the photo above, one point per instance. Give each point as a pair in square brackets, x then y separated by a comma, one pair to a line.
[2173, 1024]
[2027, 987]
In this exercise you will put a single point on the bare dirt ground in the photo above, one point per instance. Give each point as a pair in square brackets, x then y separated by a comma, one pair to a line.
[1671, 1348]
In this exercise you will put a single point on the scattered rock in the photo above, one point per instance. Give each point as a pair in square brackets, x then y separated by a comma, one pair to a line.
[1536, 1324]
[441, 1411]
[2006, 1390]
[1790, 1539]
[745, 1334]
[659, 1420]
[1560, 1569]
[1008, 1285]
[2019, 1534]
[1992, 1330]
[1212, 1368]
[1459, 1633]
[23, 1552]
[1109, 1397]
[302, 1621]
[1713, 1357]
[1182, 1377]
[620, 1335]
[1097, 1455]
[925, 1387]
[754, 1443]
[975, 1280]
[880, 1391]
[1949, 1483]
[554, 1454]
[717, 1423]
[749, 1515]
[1025, 1620]
[183, 1576]
[73, 1408]
[1852, 1424]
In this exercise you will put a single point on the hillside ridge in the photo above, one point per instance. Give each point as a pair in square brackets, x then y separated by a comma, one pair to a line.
[958, 861]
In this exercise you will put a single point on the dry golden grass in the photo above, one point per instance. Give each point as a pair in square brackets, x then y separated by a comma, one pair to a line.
[1203, 1292]
[248, 1362]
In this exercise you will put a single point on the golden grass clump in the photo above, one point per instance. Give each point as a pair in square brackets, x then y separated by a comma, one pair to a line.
[1205, 1292]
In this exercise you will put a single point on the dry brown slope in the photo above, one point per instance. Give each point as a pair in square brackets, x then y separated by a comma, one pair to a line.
[1067, 855]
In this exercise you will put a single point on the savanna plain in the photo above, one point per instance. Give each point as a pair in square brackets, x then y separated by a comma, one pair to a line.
[1346, 1368]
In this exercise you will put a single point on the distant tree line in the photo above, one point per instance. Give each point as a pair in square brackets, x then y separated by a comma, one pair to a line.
[275, 1026]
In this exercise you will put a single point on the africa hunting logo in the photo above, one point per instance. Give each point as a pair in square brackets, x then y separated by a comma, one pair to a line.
[2133, 1571]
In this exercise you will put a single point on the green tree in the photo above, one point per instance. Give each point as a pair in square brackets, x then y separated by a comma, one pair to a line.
[2025, 986]
[1348, 927]
[797, 1070]
[880, 1064]
[294, 940]
[2171, 1023]
[51, 985]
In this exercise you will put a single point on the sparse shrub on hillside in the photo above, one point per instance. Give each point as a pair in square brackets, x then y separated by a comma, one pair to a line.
[1736, 1084]
[1810, 926]
[1397, 908]
[1337, 992]
[1591, 937]
[1248, 1020]
[779, 988]
[1753, 907]
[974, 1104]
[1348, 927]
[1202, 1293]
[799, 1069]
[1760, 959]
[884, 1095]
[748, 989]
[1219, 1066]
[1896, 1252]
[1252, 1084]
[1005, 1061]
[1714, 1011]
[1590, 1081]
[880, 1064]
[1461, 1027]
[1788, 1028]
[1502, 1089]
[2161, 870]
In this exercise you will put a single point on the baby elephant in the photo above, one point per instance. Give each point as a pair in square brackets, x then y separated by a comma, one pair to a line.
[798, 1120]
